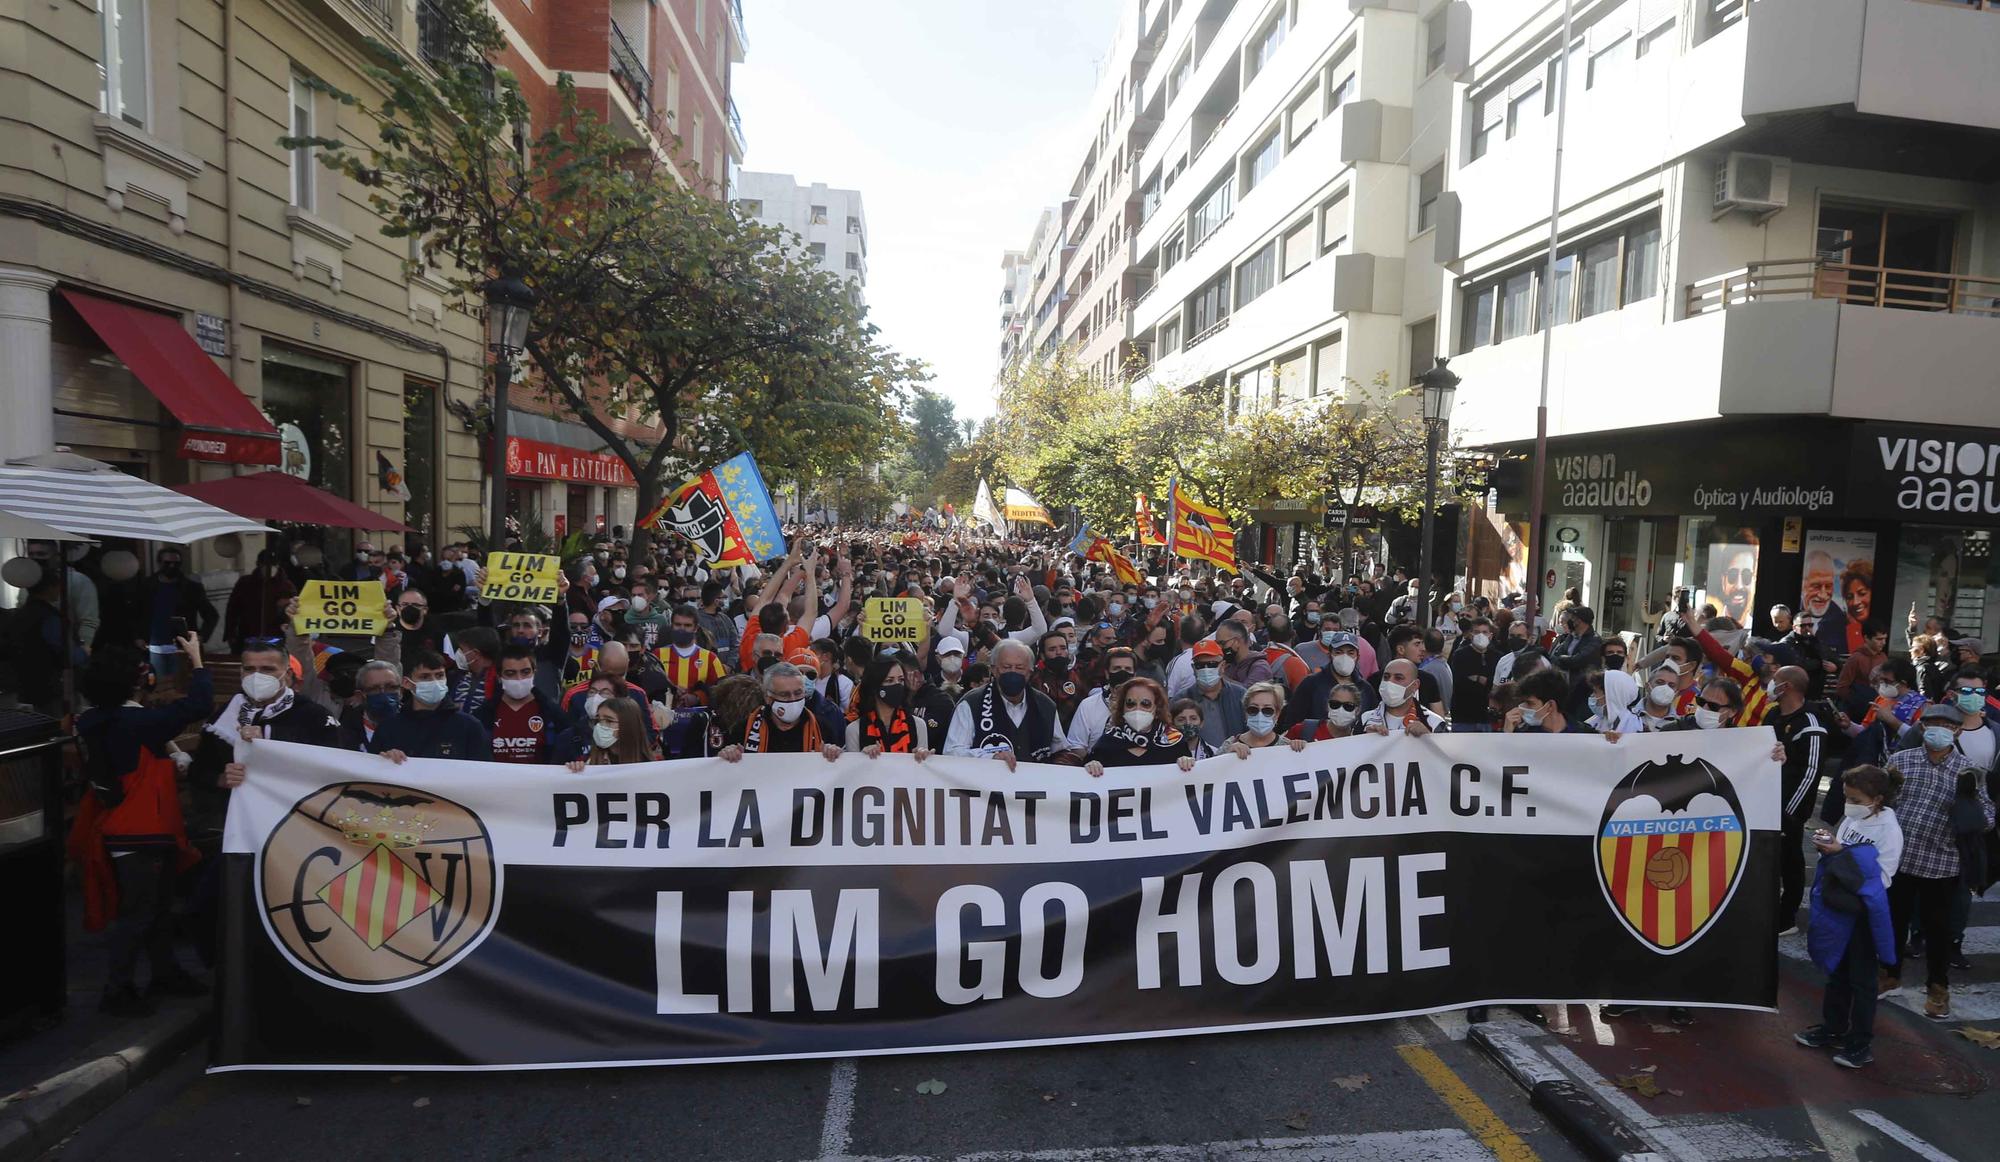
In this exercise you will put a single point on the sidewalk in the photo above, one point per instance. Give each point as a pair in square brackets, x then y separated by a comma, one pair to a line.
[61, 1076]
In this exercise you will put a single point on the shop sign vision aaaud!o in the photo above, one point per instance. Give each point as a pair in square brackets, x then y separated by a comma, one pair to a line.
[1905, 470]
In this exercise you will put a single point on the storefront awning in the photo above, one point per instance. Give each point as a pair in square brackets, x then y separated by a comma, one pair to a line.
[281, 496]
[94, 499]
[219, 422]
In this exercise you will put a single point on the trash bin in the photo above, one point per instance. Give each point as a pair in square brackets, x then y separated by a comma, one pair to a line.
[31, 866]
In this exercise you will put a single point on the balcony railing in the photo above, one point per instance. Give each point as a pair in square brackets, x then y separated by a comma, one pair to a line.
[1865, 286]
[631, 71]
[736, 130]
[432, 37]
[382, 12]
[1208, 332]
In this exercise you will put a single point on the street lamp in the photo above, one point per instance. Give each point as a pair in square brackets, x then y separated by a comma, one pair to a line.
[509, 303]
[1440, 387]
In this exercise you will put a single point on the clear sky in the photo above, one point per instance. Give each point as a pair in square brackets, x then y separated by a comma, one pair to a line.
[958, 120]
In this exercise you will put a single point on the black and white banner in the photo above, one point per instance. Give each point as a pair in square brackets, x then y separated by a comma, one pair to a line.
[468, 915]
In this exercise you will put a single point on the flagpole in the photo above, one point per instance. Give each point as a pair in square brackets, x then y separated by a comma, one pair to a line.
[1538, 520]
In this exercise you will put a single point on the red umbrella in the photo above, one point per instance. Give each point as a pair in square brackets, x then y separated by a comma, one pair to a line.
[281, 496]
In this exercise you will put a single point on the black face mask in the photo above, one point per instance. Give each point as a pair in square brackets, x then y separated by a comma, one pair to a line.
[1614, 661]
[1116, 676]
[895, 696]
[411, 616]
[766, 662]
[1056, 665]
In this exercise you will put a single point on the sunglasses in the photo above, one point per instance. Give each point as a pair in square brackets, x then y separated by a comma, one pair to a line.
[1717, 705]
[1739, 576]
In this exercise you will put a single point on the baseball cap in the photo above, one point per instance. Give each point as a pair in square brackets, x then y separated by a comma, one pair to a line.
[804, 660]
[610, 603]
[1207, 649]
[1942, 712]
[949, 645]
[1221, 609]
[1969, 643]
[1060, 622]
[1342, 638]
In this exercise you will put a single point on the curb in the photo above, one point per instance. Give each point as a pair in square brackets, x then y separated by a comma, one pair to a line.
[39, 1117]
[1574, 1109]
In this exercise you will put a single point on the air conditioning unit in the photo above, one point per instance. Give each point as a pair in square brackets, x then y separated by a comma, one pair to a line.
[1752, 181]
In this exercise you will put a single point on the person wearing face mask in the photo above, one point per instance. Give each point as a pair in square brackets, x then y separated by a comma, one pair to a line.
[432, 727]
[1472, 665]
[617, 737]
[1056, 678]
[1262, 704]
[1342, 716]
[1087, 725]
[1244, 663]
[1859, 861]
[266, 708]
[948, 656]
[410, 626]
[526, 724]
[360, 569]
[1803, 732]
[1942, 797]
[168, 594]
[1344, 667]
[690, 667]
[1400, 711]
[1717, 706]
[645, 613]
[1221, 700]
[378, 697]
[723, 635]
[1006, 719]
[477, 680]
[1539, 707]
[1614, 703]
[1139, 734]
[256, 607]
[785, 724]
[884, 721]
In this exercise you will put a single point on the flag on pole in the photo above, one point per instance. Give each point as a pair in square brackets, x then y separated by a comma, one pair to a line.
[1021, 506]
[1198, 532]
[985, 511]
[1092, 547]
[1149, 532]
[725, 513]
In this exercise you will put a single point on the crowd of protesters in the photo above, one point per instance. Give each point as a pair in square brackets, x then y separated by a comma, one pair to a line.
[1031, 655]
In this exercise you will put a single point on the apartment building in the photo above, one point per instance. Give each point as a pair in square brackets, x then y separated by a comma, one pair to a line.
[829, 222]
[1016, 290]
[1776, 301]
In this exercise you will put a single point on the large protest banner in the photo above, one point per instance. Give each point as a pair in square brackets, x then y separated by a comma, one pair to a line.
[457, 915]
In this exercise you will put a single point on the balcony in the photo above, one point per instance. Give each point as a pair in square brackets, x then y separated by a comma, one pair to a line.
[628, 68]
[737, 146]
[432, 36]
[738, 42]
[380, 12]
[1885, 58]
[1867, 286]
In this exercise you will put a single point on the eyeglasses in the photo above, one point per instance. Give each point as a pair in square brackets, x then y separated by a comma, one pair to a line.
[1344, 705]
[1208, 665]
[1738, 576]
[1718, 705]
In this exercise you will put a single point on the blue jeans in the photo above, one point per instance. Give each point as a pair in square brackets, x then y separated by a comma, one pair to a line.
[1849, 1008]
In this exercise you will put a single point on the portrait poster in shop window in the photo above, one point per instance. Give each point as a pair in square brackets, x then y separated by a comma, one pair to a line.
[1837, 596]
[1944, 573]
[1731, 575]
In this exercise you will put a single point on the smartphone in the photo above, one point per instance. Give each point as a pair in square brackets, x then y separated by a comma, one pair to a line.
[178, 627]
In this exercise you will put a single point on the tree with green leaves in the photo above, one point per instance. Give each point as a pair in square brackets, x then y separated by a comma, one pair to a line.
[657, 301]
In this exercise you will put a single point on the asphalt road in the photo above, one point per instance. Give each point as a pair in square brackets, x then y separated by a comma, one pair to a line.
[1394, 1090]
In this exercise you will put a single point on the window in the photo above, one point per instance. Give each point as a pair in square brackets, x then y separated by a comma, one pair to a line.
[1597, 283]
[1327, 365]
[1170, 251]
[1183, 69]
[1517, 305]
[1522, 107]
[1257, 274]
[754, 207]
[1486, 123]
[1482, 303]
[1303, 116]
[302, 155]
[1211, 213]
[1149, 199]
[1435, 36]
[121, 74]
[315, 395]
[1610, 63]
[819, 215]
[1430, 186]
[421, 454]
[1334, 214]
[1642, 261]
[1210, 304]
[1291, 374]
[1170, 334]
[1264, 45]
[1423, 347]
[1654, 40]
[1565, 289]
[1253, 392]
[1261, 161]
[853, 261]
[1339, 93]
[817, 249]
[1298, 247]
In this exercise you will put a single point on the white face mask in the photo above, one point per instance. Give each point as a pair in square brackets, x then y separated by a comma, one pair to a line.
[1886, 690]
[604, 734]
[591, 703]
[1341, 716]
[1343, 664]
[951, 663]
[1395, 693]
[1858, 811]
[1139, 720]
[1706, 718]
[788, 712]
[517, 687]
[1207, 677]
[639, 604]
[1660, 695]
[261, 687]
[618, 573]
[1481, 640]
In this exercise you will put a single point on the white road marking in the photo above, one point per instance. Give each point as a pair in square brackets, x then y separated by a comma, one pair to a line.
[836, 1130]
[1660, 1134]
[1914, 1144]
[1969, 1002]
[1390, 1146]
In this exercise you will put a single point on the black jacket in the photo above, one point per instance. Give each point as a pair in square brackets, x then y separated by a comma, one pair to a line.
[1472, 683]
[444, 732]
[304, 721]
[1804, 735]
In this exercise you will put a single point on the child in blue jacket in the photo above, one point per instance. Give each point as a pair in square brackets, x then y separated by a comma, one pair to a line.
[1850, 933]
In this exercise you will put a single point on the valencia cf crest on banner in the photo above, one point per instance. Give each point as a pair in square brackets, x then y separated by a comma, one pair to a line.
[1670, 850]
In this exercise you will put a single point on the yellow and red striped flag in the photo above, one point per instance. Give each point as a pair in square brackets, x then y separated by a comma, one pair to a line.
[1198, 532]
[1149, 532]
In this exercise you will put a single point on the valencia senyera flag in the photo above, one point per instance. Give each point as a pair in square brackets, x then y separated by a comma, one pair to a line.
[1149, 530]
[1198, 532]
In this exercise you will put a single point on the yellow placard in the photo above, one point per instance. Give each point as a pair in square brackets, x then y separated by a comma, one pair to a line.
[525, 577]
[896, 621]
[342, 607]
